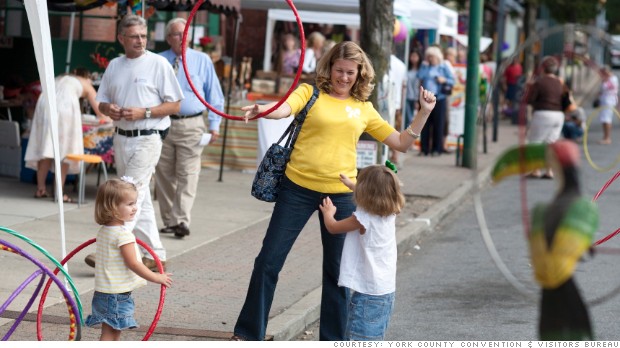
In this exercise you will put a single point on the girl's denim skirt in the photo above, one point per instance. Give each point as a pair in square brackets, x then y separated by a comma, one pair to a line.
[115, 310]
[369, 316]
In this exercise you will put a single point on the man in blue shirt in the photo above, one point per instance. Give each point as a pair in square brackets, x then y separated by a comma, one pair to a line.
[178, 170]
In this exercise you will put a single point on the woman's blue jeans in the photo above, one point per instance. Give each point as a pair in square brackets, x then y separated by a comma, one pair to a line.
[293, 208]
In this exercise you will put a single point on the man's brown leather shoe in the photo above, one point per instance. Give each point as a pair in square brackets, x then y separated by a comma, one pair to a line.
[152, 265]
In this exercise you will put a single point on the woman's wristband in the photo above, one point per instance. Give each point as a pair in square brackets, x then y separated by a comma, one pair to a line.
[412, 133]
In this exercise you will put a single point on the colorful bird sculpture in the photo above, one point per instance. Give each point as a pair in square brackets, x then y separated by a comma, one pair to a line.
[561, 233]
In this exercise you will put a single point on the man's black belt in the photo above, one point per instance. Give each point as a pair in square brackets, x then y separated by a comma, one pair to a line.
[180, 117]
[139, 132]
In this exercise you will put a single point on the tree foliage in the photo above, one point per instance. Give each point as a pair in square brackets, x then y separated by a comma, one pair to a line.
[612, 11]
[563, 11]
[572, 11]
[376, 36]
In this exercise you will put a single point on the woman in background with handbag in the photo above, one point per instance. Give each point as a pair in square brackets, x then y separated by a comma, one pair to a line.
[435, 76]
[325, 148]
[545, 95]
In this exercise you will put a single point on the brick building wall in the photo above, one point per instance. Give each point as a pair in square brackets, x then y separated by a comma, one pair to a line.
[93, 29]
[252, 36]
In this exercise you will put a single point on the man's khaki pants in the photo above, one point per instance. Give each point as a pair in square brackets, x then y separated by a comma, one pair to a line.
[178, 170]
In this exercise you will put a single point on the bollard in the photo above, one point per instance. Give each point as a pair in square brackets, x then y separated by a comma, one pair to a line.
[459, 150]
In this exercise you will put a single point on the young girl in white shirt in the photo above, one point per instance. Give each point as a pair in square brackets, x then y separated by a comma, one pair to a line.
[119, 268]
[368, 264]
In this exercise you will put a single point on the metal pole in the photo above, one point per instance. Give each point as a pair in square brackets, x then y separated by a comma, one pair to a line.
[194, 33]
[501, 14]
[70, 43]
[472, 91]
[238, 20]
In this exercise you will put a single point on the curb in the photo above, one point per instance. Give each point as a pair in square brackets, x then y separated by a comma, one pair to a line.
[294, 320]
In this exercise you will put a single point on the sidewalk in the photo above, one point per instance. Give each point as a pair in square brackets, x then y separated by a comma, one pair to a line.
[212, 266]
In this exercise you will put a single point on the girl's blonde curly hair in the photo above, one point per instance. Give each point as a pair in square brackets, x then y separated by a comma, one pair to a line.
[109, 196]
[347, 50]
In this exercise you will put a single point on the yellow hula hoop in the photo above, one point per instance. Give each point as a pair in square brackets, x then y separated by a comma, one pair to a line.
[596, 112]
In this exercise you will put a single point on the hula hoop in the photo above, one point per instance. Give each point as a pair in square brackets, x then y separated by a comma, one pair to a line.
[75, 328]
[162, 294]
[600, 192]
[527, 291]
[596, 112]
[28, 305]
[54, 261]
[281, 101]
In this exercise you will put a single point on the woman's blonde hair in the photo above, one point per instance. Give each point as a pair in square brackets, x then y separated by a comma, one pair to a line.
[347, 50]
[434, 51]
[109, 196]
[378, 191]
[313, 38]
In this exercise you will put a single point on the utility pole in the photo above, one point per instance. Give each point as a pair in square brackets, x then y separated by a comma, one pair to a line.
[472, 90]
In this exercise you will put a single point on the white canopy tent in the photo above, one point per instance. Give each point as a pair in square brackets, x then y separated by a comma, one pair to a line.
[38, 20]
[426, 14]
[401, 7]
[485, 42]
[273, 15]
[422, 14]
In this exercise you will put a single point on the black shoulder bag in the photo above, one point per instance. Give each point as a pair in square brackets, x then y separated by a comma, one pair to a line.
[269, 173]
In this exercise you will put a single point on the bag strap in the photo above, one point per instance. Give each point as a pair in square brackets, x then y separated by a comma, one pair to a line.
[295, 127]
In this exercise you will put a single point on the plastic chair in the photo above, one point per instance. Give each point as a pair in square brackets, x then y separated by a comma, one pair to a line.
[85, 158]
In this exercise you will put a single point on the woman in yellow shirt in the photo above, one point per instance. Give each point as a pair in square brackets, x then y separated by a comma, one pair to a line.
[325, 148]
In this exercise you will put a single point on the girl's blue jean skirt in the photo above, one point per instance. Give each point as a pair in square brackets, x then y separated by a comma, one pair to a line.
[369, 316]
[116, 310]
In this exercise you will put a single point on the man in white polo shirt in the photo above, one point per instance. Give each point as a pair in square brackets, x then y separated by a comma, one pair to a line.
[139, 91]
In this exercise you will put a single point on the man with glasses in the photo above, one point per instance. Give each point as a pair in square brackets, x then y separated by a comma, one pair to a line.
[178, 170]
[138, 91]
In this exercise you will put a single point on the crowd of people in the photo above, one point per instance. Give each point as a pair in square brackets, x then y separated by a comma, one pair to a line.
[318, 42]
[159, 130]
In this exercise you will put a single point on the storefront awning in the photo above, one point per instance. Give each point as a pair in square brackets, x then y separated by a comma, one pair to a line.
[225, 6]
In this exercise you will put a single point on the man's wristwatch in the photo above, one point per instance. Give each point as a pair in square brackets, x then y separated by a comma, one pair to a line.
[147, 114]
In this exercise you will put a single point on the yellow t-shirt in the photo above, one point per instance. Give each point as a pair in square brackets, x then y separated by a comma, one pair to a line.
[326, 145]
[111, 274]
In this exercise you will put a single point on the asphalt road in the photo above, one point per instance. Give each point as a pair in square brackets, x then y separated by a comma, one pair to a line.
[450, 289]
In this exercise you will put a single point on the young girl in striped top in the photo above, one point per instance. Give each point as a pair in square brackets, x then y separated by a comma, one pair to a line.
[119, 268]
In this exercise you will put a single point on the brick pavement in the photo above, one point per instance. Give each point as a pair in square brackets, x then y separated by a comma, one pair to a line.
[212, 266]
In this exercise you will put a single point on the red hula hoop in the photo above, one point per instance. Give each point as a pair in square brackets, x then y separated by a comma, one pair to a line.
[600, 192]
[162, 294]
[281, 101]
